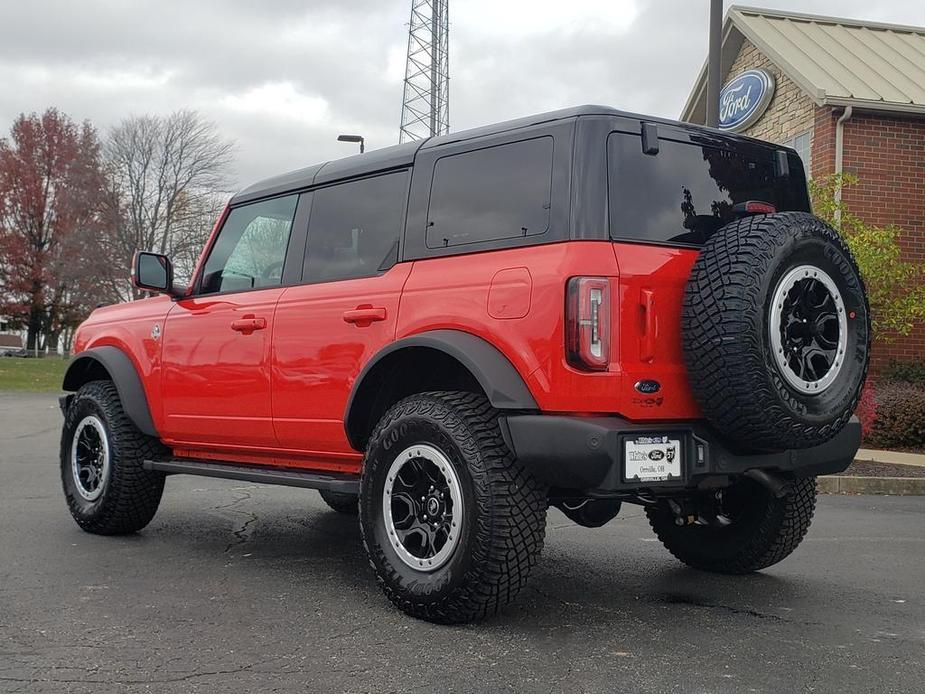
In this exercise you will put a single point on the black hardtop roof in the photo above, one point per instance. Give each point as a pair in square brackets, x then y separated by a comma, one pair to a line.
[398, 156]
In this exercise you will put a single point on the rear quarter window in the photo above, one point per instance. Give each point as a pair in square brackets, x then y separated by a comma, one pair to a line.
[687, 191]
[498, 192]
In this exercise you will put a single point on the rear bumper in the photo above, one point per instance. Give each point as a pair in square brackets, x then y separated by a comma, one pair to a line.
[586, 453]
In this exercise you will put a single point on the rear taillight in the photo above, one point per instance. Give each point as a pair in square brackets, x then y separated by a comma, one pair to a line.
[587, 323]
[754, 207]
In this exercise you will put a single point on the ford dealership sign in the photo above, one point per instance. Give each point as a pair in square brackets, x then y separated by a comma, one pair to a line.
[744, 99]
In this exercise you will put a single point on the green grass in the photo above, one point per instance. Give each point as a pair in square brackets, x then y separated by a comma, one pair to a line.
[37, 375]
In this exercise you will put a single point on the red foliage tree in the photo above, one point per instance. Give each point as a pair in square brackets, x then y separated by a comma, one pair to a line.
[51, 189]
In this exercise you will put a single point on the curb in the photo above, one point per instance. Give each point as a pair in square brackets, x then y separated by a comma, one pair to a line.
[894, 486]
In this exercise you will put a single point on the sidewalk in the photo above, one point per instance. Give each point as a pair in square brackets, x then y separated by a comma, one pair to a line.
[892, 457]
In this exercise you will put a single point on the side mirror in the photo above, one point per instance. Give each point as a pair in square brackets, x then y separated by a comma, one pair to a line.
[152, 272]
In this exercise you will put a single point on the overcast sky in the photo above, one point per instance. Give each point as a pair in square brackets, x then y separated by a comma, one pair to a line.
[283, 77]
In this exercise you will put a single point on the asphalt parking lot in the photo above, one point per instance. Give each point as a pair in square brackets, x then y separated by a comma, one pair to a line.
[238, 587]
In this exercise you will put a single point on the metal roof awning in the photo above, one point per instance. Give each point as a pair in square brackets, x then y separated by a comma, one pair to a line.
[836, 62]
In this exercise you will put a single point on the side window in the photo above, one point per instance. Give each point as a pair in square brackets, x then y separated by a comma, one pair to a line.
[251, 247]
[354, 228]
[500, 192]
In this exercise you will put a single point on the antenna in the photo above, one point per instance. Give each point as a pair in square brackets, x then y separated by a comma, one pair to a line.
[425, 108]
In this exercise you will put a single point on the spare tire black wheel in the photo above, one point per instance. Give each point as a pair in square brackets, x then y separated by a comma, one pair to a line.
[776, 331]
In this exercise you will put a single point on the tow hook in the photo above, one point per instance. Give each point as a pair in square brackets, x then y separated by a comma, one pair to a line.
[774, 483]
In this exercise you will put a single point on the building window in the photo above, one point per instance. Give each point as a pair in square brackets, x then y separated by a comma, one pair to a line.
[802, 143]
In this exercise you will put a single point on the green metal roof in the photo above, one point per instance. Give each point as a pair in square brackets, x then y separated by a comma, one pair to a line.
[837, 62]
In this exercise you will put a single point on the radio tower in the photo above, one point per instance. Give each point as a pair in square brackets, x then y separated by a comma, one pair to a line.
[425, 108]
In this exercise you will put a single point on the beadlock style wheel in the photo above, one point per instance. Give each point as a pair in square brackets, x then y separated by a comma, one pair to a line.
[776, 331]
[102, 454]
[423, 507]
[808, 329]
[90, 458]
[451, 522]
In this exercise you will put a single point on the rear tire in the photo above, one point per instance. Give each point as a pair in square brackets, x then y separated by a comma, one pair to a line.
[342, 502]
[467, 548]
[107, 490]
[764, 529]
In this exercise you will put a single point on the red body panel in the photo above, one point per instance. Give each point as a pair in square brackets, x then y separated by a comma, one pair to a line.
[216, 379]
[454, 292]
[129, 327]
[324, 335]
[277, 394]
[651, 290]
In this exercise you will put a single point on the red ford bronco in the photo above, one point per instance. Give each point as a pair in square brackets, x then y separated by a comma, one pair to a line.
[584, 308]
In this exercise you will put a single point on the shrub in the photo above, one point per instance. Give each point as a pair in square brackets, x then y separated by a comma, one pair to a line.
[895, 287]
[900, 416]
[912, 371]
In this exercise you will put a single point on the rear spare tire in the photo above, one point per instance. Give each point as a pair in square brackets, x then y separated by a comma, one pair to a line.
[776, 331]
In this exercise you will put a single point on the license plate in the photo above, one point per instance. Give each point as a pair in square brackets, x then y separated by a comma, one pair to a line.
[652, 458]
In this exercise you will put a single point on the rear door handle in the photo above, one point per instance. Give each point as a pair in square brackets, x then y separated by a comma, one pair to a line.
[650, 325]
[248, 324]
[362, 316]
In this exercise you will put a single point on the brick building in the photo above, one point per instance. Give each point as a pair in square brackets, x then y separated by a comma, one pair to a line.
[845, 86]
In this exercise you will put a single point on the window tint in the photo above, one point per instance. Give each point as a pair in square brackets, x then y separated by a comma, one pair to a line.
[688, 190]
[354, 228]
[251, 247]
[496, 193]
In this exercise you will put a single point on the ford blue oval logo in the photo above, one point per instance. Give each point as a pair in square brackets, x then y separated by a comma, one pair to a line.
[744, 99]
[648, 386]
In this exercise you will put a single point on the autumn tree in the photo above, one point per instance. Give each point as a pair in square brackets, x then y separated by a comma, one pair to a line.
[167, 176]
[50, 214]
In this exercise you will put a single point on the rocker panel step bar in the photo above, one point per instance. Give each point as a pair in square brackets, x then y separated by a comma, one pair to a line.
[331, 481]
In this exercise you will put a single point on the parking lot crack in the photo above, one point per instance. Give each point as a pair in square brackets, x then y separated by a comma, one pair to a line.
[244, 530]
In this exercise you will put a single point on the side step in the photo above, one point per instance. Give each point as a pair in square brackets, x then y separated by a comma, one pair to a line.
[331, 481]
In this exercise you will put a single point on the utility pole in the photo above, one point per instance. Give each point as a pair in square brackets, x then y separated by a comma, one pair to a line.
[425, 109]
[714, 62]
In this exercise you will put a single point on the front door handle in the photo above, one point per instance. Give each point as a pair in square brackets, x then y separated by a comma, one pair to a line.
[248, 324]
[365, 315]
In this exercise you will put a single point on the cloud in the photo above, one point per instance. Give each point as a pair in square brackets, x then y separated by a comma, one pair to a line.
[279, 100]
[285, 77]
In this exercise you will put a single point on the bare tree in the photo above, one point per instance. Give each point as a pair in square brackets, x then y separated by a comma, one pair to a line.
[166, 174]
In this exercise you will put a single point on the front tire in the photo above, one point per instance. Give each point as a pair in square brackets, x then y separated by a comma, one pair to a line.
[107, 490]
[762, 531]
[451, 523]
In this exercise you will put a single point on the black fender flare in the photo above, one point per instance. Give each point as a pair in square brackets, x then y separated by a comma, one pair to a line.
[124, 376]
[499, 379]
